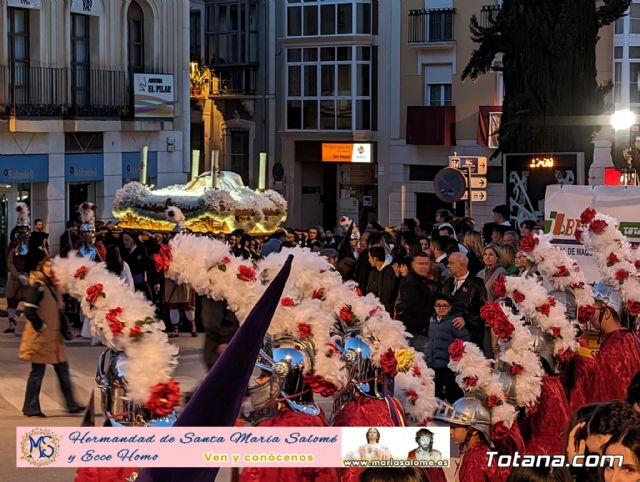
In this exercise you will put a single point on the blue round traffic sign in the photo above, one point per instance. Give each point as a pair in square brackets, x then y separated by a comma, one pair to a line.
[449, 185]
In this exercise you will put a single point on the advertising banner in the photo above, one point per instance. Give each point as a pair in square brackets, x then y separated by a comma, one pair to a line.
[153, 95]
[564, 204]
[232, 447]
[346, 153]
[24, 168]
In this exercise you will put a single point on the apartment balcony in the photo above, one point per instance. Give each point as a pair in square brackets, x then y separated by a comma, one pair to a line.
[30, 91]
[487, 13]
[431, 27]
[233, 81]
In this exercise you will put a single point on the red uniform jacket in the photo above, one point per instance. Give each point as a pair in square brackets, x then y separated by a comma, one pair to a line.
[289, 418]
[543, 431]
[475, 466]
[616, 363]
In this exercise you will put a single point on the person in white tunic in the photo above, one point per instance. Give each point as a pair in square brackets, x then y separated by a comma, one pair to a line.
[373, 450]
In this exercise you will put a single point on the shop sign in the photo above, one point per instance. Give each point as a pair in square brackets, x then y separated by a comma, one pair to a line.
[153, 95]
[131, 166]
[35, 4]
[332, 152]
[83, 167]
[24, 168]
[86, 7]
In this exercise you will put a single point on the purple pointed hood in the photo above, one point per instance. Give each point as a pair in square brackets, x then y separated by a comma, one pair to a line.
[217, 401]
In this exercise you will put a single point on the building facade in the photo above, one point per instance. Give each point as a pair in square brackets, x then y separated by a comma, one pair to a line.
[84, 86]
[327, 109]
[233, 84]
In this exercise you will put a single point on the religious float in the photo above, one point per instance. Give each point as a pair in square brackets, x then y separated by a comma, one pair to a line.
[218, 203]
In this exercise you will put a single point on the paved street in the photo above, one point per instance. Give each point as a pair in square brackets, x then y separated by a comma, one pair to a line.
[82, 360]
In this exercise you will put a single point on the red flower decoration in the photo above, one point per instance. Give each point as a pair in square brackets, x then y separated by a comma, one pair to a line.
[612, 259]
[499, 431]
[246, 274]
[565, 356]
[388, 363]
[493, 316]
[85, 206]
[320, 386]
[528, 243]
[225, 260]
[622, 275]
[318, 294]
[633, 307]
[470, 381]
[81, 272]
[287, 301]
[164, 398]
[545, 309]
[516, 369]
[587, 216]
[578, 235]
[551, 300]
[637, 264]
[555, 331]
[598, 226]
[346, 314]
[585, 313]
[415, 371]
[518, 297]
[358, 291]
[333, 350]
[412, 396]
[561, 272]
[578, 285]
[135, 331]
[456, 350]
[304, 330]
[494, 401]
[115, 325]
[94, 292]
[499, 288]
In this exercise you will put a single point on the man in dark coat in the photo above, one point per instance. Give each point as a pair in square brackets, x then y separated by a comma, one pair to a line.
[415, 302]
[469, 295]
[382, 280]
[141, 266]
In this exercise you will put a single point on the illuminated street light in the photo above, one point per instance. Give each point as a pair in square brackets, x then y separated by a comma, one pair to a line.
[623, 119]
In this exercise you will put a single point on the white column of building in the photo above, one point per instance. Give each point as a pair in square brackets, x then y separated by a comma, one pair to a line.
[55, 198]
[112, 174]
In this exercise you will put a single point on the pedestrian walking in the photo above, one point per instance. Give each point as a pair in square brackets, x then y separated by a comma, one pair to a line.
[42, 340]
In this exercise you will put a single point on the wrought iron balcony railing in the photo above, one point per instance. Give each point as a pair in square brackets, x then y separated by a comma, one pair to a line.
[236, 80]
[430, 26]
[55, 91]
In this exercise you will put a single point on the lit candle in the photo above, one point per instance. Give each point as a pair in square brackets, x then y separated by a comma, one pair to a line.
[195, 163]
[143, 164]
[215, 167]
[262, 178]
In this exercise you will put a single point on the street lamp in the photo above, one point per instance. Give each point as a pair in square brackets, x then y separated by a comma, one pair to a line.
[622, 120]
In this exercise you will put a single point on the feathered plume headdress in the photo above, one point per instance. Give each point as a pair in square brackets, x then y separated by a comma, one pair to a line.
[23, 214]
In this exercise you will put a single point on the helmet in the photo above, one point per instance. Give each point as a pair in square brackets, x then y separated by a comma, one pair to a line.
[362, 373]
[287, 359]
[543, 346]
[468, 412]
[609, 296]
[116, 405]
[506, 380]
